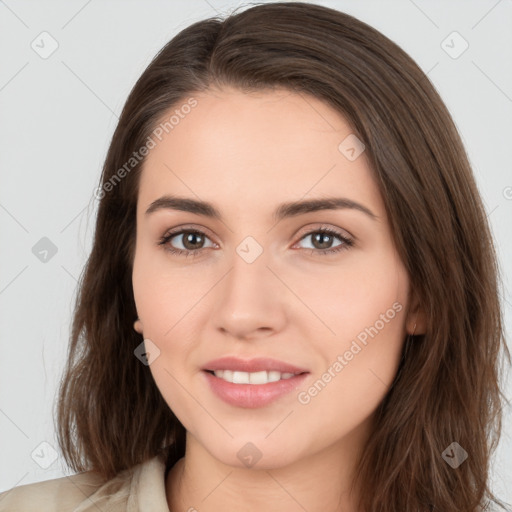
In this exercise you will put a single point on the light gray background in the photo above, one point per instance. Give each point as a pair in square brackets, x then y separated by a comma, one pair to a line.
[58, 115]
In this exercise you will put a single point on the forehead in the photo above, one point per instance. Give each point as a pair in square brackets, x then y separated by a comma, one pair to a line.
[253, 148]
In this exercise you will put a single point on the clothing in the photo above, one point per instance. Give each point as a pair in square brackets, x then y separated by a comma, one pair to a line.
[138, 489]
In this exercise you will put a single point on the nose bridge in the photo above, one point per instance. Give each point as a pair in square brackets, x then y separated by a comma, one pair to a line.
[249, 273]
[249, 297]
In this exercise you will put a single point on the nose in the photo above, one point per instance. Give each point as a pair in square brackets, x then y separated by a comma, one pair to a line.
[251, 301]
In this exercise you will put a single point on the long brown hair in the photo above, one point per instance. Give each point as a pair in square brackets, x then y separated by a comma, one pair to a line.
[110, 414]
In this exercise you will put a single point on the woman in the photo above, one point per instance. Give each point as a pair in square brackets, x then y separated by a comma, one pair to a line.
[291, 301]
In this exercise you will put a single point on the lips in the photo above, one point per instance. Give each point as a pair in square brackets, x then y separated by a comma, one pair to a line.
[253, 396]
[252, 365]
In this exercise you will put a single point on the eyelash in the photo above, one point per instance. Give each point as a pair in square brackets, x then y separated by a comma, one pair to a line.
[345, 245]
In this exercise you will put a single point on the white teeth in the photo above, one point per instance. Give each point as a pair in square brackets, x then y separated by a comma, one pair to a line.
[262, 377]
[258, 377]
[240, 378]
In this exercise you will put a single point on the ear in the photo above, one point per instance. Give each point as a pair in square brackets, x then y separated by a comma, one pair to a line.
[137, 325]
[416, 322]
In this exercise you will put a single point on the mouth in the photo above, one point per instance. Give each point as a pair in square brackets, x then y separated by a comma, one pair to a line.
[255, 383]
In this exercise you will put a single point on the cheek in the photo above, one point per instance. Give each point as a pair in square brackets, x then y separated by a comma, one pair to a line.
[164, 293]
[350, 296]
[358, 371]
[165, 298]
[363, 304]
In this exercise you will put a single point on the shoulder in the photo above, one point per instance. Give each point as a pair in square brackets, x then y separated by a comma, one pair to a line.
[87, 491]
[58, 494]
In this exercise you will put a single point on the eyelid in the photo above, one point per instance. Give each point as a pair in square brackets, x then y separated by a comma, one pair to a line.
[307, 230]
[189, 227]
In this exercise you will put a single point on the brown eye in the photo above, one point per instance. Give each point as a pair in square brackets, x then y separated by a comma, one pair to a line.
[322, 240]
[191, 241]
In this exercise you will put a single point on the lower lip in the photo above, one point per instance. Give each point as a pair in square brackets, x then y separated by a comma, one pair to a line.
[252, 396]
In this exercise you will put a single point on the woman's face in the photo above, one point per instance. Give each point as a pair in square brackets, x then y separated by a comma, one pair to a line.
[262, 280]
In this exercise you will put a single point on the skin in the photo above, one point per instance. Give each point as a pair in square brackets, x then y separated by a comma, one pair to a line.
[246, 154]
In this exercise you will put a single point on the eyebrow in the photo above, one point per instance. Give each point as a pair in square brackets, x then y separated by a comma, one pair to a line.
[284, 210]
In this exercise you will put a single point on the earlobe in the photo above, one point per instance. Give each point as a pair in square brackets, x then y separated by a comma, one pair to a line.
[416, 319]
[137, 325]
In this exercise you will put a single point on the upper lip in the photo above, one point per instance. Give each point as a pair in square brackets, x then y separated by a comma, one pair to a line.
[252, 365]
